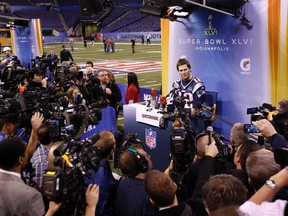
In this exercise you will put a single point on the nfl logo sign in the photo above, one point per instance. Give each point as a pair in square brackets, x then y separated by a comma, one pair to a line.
[150, 137]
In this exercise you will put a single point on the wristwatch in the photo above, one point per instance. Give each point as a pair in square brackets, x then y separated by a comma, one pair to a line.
[271, 184]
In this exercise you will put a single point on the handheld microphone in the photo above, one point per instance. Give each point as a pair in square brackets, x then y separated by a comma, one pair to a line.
[209, 131]
[175, 87]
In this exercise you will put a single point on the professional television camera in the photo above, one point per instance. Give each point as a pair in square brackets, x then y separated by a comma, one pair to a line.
[65, 183]
[219, 141]
[52, 106]
[43, 62]
[12, 76]
[182, 138]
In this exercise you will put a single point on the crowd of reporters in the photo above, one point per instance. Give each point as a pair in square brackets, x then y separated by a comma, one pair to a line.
[250, 180]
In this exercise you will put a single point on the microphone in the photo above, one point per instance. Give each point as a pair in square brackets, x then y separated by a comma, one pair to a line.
[209, 131]
[175, 87]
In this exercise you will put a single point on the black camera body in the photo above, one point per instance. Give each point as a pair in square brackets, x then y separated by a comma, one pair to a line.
[59, 186]
[260, 112]
[73, 159]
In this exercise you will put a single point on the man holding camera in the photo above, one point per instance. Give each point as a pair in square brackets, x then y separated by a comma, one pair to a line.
[103, 177]
[37, 82]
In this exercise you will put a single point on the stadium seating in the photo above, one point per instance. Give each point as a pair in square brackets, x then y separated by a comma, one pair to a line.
[49, 19]
[129, 18]
[124, 17]
[19, 2]
[43, 1]
[68, 2]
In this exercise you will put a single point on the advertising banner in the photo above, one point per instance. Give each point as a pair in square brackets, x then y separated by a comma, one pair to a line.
[246, 66]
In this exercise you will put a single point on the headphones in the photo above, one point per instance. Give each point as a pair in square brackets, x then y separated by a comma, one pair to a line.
[142, 163]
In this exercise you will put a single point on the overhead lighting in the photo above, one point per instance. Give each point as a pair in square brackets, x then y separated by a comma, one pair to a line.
[154, 10]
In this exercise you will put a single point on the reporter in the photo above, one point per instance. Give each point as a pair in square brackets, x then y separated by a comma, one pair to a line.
[16, 197]
[8, 129]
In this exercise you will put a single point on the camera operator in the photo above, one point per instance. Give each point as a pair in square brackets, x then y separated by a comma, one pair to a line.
[39, 159]
[8, 129]
[16, 197]
[77, 79]
[193, 91]
[37, 82]
[103, 176]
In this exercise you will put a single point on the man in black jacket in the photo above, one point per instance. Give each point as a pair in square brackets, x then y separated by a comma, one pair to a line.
[65, 55]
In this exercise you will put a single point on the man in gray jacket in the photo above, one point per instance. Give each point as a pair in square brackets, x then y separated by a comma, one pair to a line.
[16, 197]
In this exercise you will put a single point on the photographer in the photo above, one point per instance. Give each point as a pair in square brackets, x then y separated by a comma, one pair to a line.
[37, 82]
[39, 159]
[103, 176]
[8, 129]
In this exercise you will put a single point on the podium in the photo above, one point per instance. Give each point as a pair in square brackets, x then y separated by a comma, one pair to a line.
[144, 121]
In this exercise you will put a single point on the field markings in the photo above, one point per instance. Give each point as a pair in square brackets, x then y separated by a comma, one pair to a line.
[125, 66]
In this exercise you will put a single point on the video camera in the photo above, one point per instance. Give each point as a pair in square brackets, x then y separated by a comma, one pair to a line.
[42, 62]
[66, 183]
[260, 112]
[12, 76]
[52, 106]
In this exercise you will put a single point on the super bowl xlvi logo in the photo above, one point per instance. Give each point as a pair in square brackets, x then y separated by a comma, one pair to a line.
[210, 30]
[245, 64]
[150, 138]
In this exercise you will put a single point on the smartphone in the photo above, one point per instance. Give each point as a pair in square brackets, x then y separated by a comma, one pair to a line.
[250, 128]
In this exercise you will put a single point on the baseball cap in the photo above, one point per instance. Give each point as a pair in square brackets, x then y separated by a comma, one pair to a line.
[6, 49]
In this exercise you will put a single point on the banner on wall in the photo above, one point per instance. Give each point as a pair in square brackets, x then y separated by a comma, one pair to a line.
[27, 42]
[126, 36]
[228, 57]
